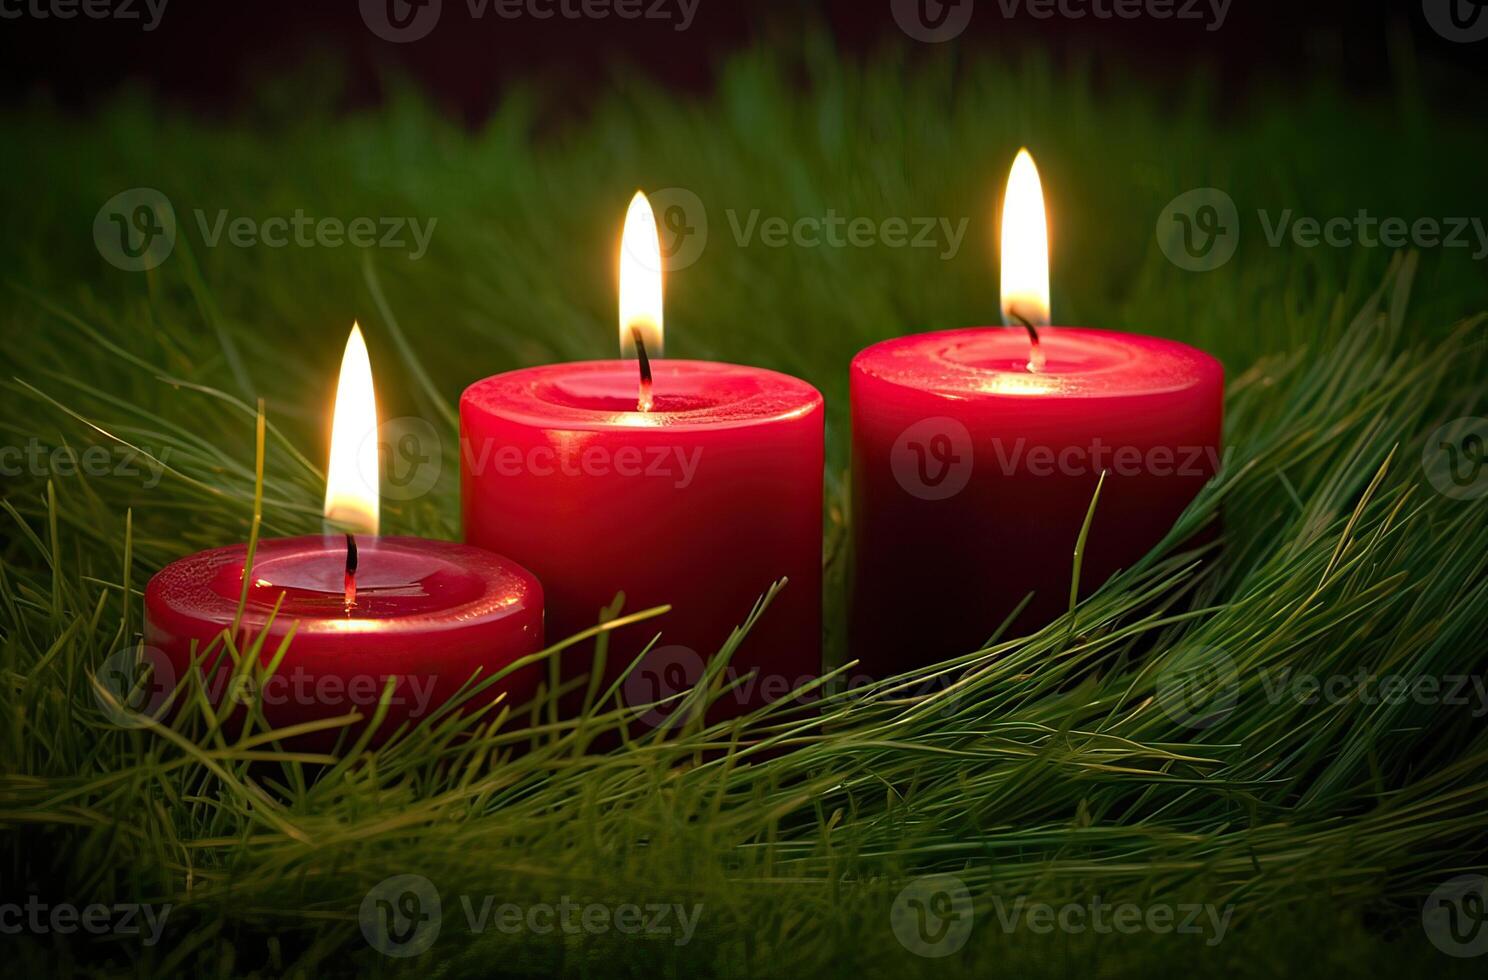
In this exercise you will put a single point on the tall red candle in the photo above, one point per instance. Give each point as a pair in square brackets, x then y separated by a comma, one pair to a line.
[357, 611]
[972, 477]
[696, 488]
[977, 453]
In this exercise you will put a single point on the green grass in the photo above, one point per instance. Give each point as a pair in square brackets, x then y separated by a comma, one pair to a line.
[1044, 766]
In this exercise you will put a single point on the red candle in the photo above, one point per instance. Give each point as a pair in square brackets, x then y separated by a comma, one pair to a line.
[359, 611]
[976, 454]
[689, 483]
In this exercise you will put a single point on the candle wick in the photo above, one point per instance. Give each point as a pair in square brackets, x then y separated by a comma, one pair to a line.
[644, 401]
[351, 570]
[1036, 349]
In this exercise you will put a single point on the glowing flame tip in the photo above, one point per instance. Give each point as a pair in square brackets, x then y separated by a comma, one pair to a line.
[640, 280]
[1025, 246]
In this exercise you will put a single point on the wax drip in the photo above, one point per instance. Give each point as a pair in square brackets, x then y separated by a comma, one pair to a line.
[644, 401]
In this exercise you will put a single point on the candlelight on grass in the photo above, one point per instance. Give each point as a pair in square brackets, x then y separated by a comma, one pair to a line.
[693, 484]
[977, 452]
[341, 616]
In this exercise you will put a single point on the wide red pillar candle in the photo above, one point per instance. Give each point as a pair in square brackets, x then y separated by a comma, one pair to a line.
[972, 475]
[340, 617]
[700, 502]
[431, 615]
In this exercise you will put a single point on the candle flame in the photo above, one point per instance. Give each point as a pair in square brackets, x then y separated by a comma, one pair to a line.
[1025, 247]
[640, 280]
[351, 499]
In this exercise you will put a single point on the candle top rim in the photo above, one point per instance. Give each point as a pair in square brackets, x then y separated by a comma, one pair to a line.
[990, 362]
[597, 395]
[478, 586]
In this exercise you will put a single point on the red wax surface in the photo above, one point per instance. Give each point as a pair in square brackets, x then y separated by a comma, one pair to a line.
[972, 476]
[700, 503]
[431, 613]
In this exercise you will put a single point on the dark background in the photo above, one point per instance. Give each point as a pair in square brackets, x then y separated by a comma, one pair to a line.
[214, 56]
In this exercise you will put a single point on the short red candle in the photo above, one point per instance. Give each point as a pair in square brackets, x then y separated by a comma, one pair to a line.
[701, 503]
[972, 476]
[433, 614]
